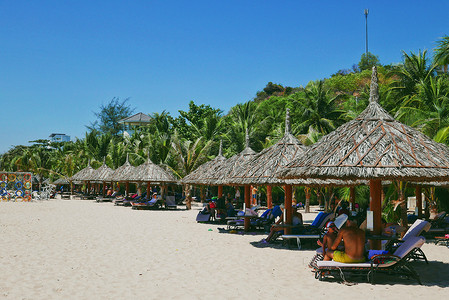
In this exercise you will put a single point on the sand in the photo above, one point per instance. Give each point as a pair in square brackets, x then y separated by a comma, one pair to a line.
[73, 249]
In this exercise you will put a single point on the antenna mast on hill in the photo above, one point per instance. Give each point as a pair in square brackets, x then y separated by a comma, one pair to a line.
[366, 30]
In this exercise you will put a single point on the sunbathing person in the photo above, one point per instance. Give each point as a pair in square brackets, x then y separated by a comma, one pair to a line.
[354, 242]
[296, 220]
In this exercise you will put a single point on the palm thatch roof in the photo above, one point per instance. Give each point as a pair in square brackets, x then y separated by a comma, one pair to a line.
[206, 171]
[150, 172]
[230, 165]
[261, 168]
[373, 146]
[101, 174]
[84, 174]
[123, 172]
[61, 181]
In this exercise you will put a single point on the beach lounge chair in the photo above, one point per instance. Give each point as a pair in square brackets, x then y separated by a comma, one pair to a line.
[264, 221]
[396, 264]
[417, 229]
[152, 204]
[203, 216]
[317, 233]
[170, 202]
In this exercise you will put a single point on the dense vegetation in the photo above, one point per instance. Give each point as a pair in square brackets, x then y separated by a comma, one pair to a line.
[415, 91]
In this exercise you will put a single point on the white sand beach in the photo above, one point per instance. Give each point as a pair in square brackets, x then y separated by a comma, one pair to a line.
[72, 249]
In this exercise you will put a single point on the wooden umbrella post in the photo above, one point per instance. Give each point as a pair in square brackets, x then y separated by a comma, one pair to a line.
[149, 196]
[418, 195]
[352, 197]
[247, 205]
[375, 187]
[127, 188]
[269, 197]
[288, 208]
[220, 191]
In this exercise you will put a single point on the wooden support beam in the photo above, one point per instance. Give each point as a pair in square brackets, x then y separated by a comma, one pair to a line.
[352, 197]
[375, 187]
[288, 211]
[269, 196]
[418, 195]
[247, 223]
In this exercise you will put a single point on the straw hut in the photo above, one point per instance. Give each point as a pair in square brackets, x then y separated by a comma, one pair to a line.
[228, 167]
[122, 174]
[102, 175]
[262, 168]
[151, 173]
[203, 175]
[84, 175]
[374, 147]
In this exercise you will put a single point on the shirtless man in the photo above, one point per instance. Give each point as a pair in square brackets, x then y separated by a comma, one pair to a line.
[354, 242]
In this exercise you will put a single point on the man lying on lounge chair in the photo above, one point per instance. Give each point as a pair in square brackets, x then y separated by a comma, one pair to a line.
[354, 243]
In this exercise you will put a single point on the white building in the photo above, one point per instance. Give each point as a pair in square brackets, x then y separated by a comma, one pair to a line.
[59, 137]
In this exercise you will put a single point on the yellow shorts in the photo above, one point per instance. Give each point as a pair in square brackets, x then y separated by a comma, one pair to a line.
[342, 257]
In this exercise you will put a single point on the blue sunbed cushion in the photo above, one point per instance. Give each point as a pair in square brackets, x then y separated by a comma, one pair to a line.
[319, 219]
[277, 211]
[372, 253]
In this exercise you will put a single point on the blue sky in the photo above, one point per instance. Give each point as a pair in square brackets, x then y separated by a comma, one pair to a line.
[61, 60]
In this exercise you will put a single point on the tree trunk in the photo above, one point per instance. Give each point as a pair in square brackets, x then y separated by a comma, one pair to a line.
[307, 204]
[404, 221]
[188, 197]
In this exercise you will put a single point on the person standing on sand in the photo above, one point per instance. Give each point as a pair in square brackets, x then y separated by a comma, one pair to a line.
[354, 242]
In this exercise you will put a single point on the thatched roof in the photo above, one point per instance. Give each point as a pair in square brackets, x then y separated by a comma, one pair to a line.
[84, 174]
[373, 146]
[230, 165]
[101, 174]
[261, 168]
[206, 171]
[123, 172]
[61, 181]
[150, 172]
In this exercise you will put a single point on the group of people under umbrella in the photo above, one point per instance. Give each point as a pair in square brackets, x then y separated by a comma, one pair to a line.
[147, 173]
[370, 149]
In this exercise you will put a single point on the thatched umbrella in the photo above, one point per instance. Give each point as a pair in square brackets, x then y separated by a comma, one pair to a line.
[229, 166]
[84, 175]
[204, 174]
[151, 173]
[374, 147]
[261, 169]
[123, 173]
[102, 174]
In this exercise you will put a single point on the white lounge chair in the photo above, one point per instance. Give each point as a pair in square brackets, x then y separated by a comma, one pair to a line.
[396, 264]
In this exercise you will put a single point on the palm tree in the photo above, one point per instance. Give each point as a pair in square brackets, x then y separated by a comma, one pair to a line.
[319, 109]
[415, 70]
[441, 57]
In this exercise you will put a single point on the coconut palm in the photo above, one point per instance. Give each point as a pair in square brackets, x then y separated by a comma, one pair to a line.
[441, 57]
[319, 109]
